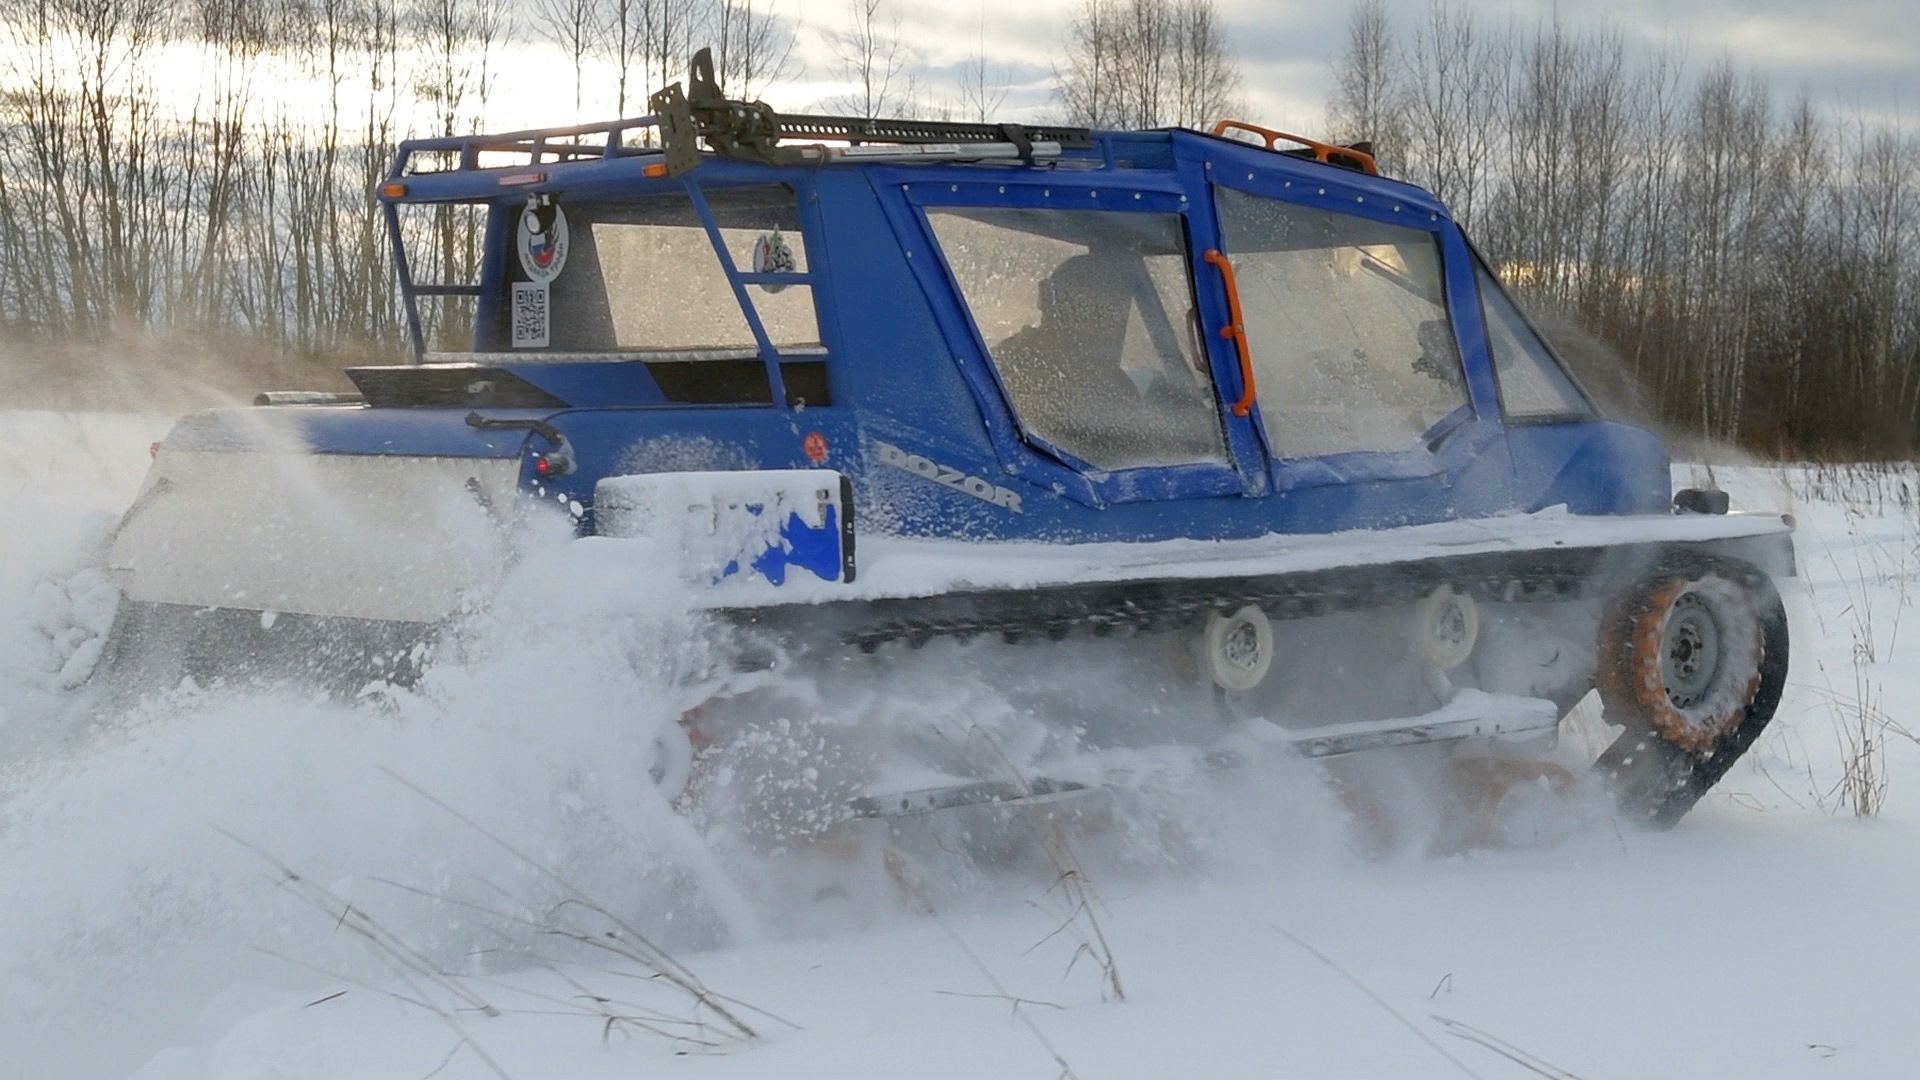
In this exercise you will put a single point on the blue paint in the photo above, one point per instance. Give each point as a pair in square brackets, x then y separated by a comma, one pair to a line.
[799, 544]
[906, 367]
[809, 548]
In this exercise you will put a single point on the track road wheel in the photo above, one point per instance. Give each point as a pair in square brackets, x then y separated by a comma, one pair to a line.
[1693, 658]
[1446, 627]
[670, 760]
[1236, 649]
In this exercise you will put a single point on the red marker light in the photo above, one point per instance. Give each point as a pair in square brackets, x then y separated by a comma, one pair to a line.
[542, 466]
[815, 445]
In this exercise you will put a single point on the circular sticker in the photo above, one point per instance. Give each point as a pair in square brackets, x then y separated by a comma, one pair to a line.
[772, 255]
[542, 239]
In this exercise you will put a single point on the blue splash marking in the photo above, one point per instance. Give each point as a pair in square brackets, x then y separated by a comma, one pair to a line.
[800, 545]
[804, 546]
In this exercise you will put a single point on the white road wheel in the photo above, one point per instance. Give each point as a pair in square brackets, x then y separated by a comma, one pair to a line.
[670, 760]
[1237, 649]
[1446, 627]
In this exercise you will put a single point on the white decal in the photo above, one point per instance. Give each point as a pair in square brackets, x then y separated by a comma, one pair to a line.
[530, 320]
[542, 239]
[948, 475]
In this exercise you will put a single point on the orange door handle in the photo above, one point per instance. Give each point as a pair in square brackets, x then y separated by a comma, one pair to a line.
[1235, 330]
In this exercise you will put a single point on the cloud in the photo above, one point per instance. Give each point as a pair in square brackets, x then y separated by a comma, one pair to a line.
[1861, 54]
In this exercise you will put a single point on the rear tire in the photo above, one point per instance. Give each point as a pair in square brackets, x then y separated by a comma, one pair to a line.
[1693, 660]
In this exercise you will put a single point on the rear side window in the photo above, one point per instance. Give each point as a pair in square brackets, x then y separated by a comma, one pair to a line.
[1088, 317]
[643, 276]
[1532, 384]
[1347, 325]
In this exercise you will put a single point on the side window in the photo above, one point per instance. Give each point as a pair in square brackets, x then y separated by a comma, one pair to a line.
[1088, 318]
[1532, 385]
[642, 275]
[1347, 326]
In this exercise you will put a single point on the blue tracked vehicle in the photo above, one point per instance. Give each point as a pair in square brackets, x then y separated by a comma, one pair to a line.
[1247, 409]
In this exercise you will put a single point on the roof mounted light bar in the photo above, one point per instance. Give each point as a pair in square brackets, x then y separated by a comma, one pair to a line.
[754, 132]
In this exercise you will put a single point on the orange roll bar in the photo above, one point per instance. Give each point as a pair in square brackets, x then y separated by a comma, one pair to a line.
[1325, 153]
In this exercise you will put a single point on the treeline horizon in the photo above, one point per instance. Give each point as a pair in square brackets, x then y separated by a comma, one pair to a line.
[1752, 265]
[1727, 266]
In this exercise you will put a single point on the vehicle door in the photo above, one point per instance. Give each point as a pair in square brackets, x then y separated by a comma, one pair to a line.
[1349, 303]
[1075, 310]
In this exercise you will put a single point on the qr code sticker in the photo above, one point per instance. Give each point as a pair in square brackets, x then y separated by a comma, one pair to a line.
[529, 315]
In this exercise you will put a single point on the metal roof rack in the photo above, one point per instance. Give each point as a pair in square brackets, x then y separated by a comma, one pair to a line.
[754, 131]
[538, 145]
[742, 130]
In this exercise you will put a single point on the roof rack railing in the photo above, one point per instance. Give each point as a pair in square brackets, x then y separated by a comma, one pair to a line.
[538, 145]
[754, 131]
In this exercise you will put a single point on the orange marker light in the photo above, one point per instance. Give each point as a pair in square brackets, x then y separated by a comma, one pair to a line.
[393, 191]
[654, 170]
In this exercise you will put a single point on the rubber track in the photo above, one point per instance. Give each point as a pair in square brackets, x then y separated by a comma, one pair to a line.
[1166, 604]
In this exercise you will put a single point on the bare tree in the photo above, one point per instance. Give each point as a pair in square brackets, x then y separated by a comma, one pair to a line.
[1457, 76]
[983, 87]
[1205, 76]
[1146, 63]
[752, 44]
[667, 32]
[1759, 282]
[1089, 85]
[1369, 96]
[623, 44]
[872, 60]
[575, 27]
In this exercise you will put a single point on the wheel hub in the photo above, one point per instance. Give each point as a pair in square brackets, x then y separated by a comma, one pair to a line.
[1242, 647]
[1690, 651]
[1446, 627]
[1237, 649]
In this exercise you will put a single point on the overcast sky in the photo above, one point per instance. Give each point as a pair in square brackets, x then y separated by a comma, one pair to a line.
[1861, 54]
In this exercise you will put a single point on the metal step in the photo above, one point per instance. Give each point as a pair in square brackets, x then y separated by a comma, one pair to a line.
[984, 793]
[1471, 714]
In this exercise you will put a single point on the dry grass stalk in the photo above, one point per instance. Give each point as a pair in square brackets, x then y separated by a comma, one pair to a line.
[1505, 1049]
[1386, 1007]
[418, 973]
[1016, 1003]
[621, 940]
[1080, 903]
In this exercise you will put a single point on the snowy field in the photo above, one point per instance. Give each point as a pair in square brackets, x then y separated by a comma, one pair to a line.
[262, 884]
